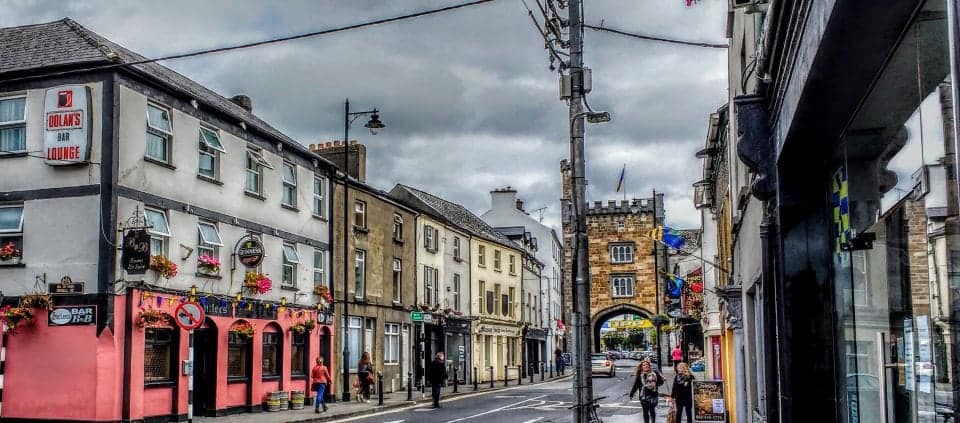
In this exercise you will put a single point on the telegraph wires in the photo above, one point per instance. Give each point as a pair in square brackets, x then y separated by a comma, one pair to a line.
[255, 43]
[655, 38]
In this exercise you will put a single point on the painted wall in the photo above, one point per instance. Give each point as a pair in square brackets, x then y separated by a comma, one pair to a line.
[456, 266]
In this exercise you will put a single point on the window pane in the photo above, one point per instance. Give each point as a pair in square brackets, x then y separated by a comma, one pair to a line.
[298, 354]
[271, 354]
[209, 234]
[158, 220]
[207, 166]
[237, 365]
[289, 194]
[290, 254]
[253, 181]
[157, 355]
[156, 146]
[13, 139]
[211, 139]
[11, 219]
[158, 118]
[12, 109]
[289, 174]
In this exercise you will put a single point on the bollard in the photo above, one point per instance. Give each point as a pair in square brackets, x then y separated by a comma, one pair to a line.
[455, 380]
[551, 370]
[533, 367]
[520, 375]
[505, 378]
[475, 387]
[409, 386]
[543, 370]
[379, 388]
[491, 376]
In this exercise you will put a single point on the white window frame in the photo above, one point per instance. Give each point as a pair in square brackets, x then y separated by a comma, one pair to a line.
[360, 208]
[288, 196]
[166, 135]
[19, 228]
[319, 267]
[481, 256]
[210, 149]
[319, 197]
[397, 278]
[204, 244]
[290, 260]
[10, 124]
[512, 264]
[397, 227]
[360, 273]
[622, 253]
[391, 345]
[456, 291]
[430, 235]
[497, 260]
[255, 157]
[156, 235]
[456, 247]
[622, 286]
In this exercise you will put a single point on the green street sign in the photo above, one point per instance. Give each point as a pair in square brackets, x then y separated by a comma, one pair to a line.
[416, 316]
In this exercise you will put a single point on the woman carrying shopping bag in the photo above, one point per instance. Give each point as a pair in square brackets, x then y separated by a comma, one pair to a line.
[682, 393]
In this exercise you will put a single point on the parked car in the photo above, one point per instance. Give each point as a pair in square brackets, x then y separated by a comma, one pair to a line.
[600, 364]
[614, 355]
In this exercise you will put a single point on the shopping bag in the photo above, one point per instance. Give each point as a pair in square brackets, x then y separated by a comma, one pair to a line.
[672, 412]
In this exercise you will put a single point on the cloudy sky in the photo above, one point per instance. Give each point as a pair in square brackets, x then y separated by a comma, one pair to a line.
[467, 97]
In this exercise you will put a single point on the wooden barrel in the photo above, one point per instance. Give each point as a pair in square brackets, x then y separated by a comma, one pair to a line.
[296, 400]
[284, 400]
[273, 401]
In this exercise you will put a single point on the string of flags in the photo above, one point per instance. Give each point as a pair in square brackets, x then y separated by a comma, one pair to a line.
[147, 297]
[668, 236]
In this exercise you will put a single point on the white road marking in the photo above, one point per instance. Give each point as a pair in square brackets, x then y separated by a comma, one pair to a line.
[508, 396]
[534, 420]
[396, 421]
[495, 409]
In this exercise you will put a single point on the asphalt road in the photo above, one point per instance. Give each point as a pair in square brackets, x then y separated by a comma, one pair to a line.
[541, 403]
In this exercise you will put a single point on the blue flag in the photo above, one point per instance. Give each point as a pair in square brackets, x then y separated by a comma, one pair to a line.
[674, 285]
[620, 180]
[670, 237]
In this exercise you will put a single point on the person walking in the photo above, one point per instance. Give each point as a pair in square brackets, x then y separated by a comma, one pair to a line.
[647, 381]
[558, 358]
[365, 375]
[437, 375]
[677, 355]
[321, 380]
[682, 392]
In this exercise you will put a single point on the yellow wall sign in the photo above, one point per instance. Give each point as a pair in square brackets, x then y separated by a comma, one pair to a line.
[631, 324]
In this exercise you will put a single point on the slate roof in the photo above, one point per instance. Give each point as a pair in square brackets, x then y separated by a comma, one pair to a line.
[67, 44]
[452, 212]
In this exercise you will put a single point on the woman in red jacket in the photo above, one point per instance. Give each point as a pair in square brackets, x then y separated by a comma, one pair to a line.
[321, 381]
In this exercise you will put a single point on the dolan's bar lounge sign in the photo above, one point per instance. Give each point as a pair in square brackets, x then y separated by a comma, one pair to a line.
[67, 125]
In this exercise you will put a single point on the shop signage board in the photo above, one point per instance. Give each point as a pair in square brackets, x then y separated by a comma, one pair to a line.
[67, 125]
[427, 318]
[631, 324]
[487, 329]
[189, 316]
[135, 256]
[66, 287]
[416, 316]
[79, 315]
[250, 251]
[708, 402]
[216, 307]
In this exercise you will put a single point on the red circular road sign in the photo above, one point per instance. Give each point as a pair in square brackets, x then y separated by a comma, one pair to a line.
[189, 316]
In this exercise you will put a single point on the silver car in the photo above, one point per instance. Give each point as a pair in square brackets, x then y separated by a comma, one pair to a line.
[601, 364]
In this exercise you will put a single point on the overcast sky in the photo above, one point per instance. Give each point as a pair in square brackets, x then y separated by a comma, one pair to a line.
[467, 97]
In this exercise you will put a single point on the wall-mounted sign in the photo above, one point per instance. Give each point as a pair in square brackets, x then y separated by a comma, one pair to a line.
[708, 404]
[486, 329]
[135, 256]
[250, 251]
[189, 316]
[215, 307]
[72, 315]
[65, 287]
[67, 125]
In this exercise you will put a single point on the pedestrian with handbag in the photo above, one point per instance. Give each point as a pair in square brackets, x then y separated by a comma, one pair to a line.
[365, 376]
[682, 392]
[320, 376]
[647, 381]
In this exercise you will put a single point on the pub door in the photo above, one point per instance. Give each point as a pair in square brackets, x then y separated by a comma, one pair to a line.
[325, 352]
[205, 371]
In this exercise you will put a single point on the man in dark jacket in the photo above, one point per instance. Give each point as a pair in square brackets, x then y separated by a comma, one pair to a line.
[437, 375]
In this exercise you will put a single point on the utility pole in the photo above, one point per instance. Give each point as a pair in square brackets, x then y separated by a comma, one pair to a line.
[582, 385]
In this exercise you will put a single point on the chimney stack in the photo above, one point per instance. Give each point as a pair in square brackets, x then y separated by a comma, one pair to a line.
[520, 205]
[243, 101]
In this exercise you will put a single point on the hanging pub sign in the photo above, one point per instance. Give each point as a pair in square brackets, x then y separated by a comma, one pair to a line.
[135, 256]
[66, 287]
[67, 125]
[250, 251]
[708, 403]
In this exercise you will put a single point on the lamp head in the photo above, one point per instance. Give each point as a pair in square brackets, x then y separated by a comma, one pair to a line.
[374, 125]
[598, 117]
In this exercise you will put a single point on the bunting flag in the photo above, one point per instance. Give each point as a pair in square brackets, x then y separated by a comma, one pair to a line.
[674, 285]
[668, 236]
[620, 180]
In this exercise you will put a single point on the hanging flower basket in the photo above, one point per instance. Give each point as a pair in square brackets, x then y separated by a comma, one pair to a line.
[163, 266]
[15, 318]
[304, 326]
[37, 300]
[151, 318]
[208, 265]
[9, 254]
[257, 283]
[326, 297]
[244, 329]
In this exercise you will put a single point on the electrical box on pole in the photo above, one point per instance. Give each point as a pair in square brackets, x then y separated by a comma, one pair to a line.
[564, 87]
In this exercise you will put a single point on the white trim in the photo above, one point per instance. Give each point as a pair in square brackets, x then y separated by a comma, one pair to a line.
[19, 227]
[163, 215]
[216, 134]
[292, 250]
[219, 240]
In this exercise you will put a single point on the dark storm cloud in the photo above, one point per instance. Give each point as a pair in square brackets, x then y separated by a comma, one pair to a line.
[467, 98]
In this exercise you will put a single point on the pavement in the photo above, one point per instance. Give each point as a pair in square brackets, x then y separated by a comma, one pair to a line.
[341, 411]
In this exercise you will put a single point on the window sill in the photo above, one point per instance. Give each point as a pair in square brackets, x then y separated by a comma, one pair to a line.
[289, 207]
[397, 304]
[254, 195]
[235, 379]
[288, 288]
[207, 276]
[498, 270]
[160, 163]
[361, 229]
[359, 300]
[270, 378]
[10, 155]
[298, 377]
[161, 384]
[319, 217]
[209, 179]
[398, 241]
[458, 259]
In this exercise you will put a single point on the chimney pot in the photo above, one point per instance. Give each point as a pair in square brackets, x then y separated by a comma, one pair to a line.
[243, 101]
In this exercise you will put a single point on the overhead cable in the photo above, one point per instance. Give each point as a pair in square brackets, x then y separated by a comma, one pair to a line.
[659, 39]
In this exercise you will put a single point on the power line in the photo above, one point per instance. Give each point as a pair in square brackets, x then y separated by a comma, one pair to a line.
[660, 39]
[256, 43]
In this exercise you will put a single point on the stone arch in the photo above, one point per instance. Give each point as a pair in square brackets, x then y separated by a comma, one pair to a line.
[615, 310]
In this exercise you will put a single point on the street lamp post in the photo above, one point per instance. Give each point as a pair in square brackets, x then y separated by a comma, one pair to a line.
[374, 125]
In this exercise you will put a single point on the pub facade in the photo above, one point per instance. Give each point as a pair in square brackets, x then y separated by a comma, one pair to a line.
[127, 192]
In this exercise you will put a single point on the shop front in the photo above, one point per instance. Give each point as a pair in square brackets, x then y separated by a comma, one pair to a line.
[497, 346]
[534, 350]
[457, 333]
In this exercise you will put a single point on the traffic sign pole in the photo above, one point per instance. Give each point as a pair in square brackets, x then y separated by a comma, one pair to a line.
[190, 380]
[189, 316]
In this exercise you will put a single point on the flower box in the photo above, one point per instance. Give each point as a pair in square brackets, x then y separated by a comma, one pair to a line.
[12, 261]
[207, 271]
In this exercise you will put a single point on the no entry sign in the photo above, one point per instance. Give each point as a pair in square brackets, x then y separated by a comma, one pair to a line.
[189, 316]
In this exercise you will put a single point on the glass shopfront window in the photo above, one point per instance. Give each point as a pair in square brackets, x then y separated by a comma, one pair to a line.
[896, 238]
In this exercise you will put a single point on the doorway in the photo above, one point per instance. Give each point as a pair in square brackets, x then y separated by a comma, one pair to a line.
[325, 350]
[205, 371]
